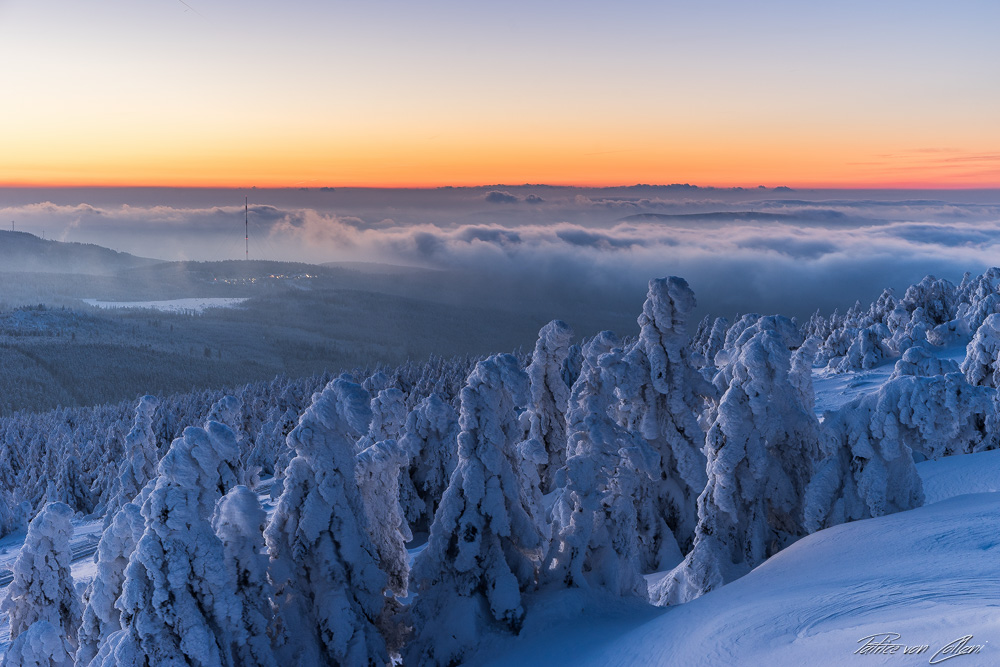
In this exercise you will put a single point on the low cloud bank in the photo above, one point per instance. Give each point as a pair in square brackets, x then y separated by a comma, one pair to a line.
[789, 256]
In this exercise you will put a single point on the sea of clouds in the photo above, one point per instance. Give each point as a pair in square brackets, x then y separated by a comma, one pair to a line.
[742, 250]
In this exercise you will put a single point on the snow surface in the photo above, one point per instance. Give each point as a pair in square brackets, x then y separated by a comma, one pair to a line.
[928, 574]
[192, 305]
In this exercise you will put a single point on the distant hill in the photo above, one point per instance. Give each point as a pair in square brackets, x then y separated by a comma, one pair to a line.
[715, 216]
[24, 252]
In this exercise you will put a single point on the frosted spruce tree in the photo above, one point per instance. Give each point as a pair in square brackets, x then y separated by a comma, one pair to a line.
[141, 457]
[324, 567]
[177, 603]
[761, 448]
[378, 473]
[870, 444]
[40, 602]
[239, 523]
[920, 362]
[483, 545]
[10, 514]
[100, 616]
[549, 395]
[388, 417]
[660, 399]
[594, 535]
[981, 365]
[430, 441]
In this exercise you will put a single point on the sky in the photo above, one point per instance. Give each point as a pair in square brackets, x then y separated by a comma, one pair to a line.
[385, 93]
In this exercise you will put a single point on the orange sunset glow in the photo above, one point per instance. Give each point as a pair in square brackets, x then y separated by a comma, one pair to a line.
[161, 95]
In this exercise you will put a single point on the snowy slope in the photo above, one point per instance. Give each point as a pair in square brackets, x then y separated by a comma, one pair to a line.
[929, 574]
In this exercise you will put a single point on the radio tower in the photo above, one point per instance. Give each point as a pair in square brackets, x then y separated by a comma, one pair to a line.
[246, 223]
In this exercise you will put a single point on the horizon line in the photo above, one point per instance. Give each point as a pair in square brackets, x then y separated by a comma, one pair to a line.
[565, 186]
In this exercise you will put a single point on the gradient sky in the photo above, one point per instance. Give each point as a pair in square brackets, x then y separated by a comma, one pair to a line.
[172, 92]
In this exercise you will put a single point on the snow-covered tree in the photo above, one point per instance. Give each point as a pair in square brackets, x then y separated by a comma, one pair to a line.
[801, 372]
[484, 544]
[377, 473]
[10, 515]
[919, 361]
[866, 350]
[41, 645]
[869, 444]
[324, 567]
[177, 604]
[594, 542]
[549, 395]
[761, 448]
[430, 441]
[100, 616]
[660, 399]
[41, 593]
[388, 417]
[141, 457]
[239, 523]
[981, 365]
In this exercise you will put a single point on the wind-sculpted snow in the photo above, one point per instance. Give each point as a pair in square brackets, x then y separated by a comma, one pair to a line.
[927, 575]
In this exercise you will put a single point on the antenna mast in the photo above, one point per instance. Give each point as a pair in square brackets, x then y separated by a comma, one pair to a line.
[246, 222]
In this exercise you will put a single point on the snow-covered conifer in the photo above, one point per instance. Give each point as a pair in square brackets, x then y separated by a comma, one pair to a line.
[761, 449]
[377, 473]
[549, 395]
[866, 350]
[100, 616]
[177, 603]
[430, 440]
[141, 457]
[801, 372]
[483, 544]
[324, 567]
[594, 541]
[981, 365]
[239, 523]
[41, 645]
[228, 410]
[660, 399]
[41, 592]
[388, 417]
[919, 361]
